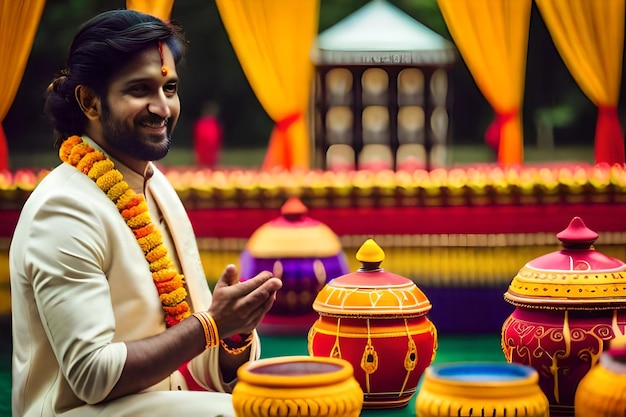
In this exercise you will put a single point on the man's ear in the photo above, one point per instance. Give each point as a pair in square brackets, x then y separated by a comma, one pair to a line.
[88, 101]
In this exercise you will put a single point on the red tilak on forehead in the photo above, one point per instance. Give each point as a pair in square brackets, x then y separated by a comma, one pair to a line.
[163, 67]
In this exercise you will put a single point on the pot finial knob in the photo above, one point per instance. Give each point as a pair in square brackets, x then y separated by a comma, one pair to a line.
[577, 235]
[293, 209]
[370, 255]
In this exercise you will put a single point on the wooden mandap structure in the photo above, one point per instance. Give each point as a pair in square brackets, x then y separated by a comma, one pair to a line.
[461, 233]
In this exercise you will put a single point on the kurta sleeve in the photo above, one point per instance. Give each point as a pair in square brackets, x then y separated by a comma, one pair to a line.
[65, 255]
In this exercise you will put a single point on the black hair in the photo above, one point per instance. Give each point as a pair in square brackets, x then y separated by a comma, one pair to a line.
[102, 46]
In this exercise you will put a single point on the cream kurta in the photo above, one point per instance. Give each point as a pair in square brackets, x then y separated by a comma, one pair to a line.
[81, 287]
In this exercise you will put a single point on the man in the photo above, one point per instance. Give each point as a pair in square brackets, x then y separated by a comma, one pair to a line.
[112, 314]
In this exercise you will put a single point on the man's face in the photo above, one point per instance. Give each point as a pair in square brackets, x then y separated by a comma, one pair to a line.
[142, 106]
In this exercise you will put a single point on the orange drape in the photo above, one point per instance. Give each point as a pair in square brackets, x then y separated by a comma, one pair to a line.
[492, 37]
[272, 40]
[158, 8]
[589, 36]
[18, 24]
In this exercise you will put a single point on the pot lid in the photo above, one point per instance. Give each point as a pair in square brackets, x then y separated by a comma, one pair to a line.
[293, 235]
[577, 276]
[371, 291]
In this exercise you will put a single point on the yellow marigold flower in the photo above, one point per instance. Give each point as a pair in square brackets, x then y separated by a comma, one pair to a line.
[117, 190]
[124, 199]
[100, 168]
[133, 211]
[162, 263]
[173, 298]
[139, 221]
[109, 179]
[150, 242]
[164, 274]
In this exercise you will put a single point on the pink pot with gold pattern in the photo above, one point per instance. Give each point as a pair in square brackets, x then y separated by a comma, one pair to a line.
[376, 320]
[569, 305]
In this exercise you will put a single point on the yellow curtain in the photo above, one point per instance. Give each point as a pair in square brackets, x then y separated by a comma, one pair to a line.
[492, 37]
[272, 40]
[158, 8]
[589, 36]
[18, 24]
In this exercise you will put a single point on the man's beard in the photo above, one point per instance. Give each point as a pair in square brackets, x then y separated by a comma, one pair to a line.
[141, 146]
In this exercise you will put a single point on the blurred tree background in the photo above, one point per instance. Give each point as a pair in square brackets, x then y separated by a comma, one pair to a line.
[211, 72]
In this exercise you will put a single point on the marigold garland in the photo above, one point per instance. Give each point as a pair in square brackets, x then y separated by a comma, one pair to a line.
[134, 210]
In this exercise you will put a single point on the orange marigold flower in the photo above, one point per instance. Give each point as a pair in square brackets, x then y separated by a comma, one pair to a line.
[67, 145]
[170, 284]
[133, 211]
[144, 231]
[88, 160]
[183, 316]
[164, 274]
[109, 179]
[176, 310]
[135, 201]
[174, 297]
[78, 152]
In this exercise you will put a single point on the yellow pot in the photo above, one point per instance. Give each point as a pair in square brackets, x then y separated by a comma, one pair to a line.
[481, 389]
[297, 386]
[602, 391]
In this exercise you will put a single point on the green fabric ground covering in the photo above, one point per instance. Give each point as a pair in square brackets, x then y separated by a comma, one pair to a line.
[452, 348]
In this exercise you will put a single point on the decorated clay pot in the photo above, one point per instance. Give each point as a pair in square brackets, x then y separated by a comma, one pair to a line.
[297, 386]
[569, 304]
[377, 321]
[305, 254]
[602, 392]
[481, 389]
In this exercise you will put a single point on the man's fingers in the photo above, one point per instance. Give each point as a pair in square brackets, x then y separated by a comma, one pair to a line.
[259, 312]
[246, 287]
[229, 277]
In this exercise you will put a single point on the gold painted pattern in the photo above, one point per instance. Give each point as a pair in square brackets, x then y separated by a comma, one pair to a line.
[530, 283]
[534, 344]
[401, 301]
